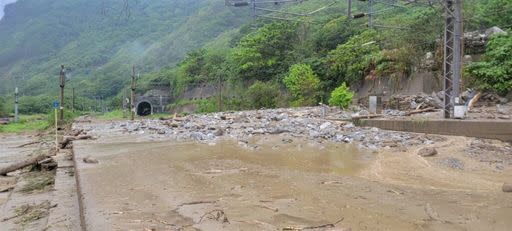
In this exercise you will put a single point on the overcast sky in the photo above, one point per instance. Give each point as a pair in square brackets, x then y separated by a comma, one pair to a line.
[2, 4]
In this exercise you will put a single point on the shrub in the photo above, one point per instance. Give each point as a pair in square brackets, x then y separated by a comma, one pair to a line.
[206, 106]
[494, 73]
[263, 95]
[341, 96]
[303, 84]
[69, 116]
[2, 108]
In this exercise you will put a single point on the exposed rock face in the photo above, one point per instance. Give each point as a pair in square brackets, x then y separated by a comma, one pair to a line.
[475, 41]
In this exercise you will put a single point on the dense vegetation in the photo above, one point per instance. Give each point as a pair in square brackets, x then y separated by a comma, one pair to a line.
[260, 63]
[494, 72]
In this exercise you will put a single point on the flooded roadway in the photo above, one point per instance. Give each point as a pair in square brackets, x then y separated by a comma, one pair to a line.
[276, 182]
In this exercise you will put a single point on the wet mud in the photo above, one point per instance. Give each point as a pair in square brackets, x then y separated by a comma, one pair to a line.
[274, 182]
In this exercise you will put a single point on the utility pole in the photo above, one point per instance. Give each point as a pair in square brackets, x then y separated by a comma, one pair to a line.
[349, 9]
[370, 13]
[452, 55]
[161, 104]
[132, 98]
[73, 99]
[220, 93]
[16, 117]
[123, 102]
[62, 84]
[253, 8]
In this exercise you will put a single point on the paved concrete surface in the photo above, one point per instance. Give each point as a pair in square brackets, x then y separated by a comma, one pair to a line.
[501, 130]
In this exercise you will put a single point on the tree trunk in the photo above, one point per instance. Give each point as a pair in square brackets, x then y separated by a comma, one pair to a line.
[19, 165]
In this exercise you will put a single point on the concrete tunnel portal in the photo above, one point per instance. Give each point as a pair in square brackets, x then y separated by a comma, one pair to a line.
[144, 108]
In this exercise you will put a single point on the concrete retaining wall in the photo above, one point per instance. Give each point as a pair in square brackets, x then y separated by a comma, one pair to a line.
[500, 130]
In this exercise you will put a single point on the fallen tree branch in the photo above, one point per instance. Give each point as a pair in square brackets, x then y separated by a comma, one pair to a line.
[19, 165]
[197, 202]
[27, 144]
[69, 139]
[429, 109]
[216, 214]
[330, 225]
[366, 116]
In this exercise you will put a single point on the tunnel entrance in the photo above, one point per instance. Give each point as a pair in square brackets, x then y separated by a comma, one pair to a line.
[144, 109]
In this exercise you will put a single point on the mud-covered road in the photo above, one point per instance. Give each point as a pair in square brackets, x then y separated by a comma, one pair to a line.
[144, 179]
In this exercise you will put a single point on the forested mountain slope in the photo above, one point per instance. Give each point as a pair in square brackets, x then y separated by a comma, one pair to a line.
[295, 59]
[99, 40]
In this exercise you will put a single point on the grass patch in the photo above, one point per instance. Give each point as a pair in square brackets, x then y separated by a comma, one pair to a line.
[118, 115]
[28, 213]
[27, 123]
[112, 115]
[38, 181]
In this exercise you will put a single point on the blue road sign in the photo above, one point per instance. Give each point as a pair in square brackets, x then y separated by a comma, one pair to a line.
[55, 104]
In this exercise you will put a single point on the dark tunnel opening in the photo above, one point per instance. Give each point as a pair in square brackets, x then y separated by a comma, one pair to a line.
[144, 109]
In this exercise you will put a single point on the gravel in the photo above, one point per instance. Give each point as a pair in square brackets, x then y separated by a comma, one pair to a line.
[299, 122]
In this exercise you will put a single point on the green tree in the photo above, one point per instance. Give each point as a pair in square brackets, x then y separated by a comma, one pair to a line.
[303, 84]
[341, 96]
[2, 107]
[494, 73]
[263, 95]
[352, 61]
[266, 53]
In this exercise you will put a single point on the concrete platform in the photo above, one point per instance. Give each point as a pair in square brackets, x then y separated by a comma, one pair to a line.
[501, 130]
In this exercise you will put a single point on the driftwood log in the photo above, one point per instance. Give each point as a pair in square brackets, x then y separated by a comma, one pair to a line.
[69, 139]
[19, 165]
[429, 109]
[27, 144]
[366, 116]
[473, 100]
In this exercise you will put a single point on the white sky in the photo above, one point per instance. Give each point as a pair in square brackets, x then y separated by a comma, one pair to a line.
[2, 4]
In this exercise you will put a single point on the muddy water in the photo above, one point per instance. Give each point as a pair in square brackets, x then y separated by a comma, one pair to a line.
[269, 184]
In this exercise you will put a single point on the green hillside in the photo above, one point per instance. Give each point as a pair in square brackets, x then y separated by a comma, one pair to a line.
[262, 63]
[99, 41]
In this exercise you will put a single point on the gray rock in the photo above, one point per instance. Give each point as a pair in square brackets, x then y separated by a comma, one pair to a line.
[219, 132]
[258, 131]
[507, 187]
[90, 160]
[427, 152]
[278, 131]
[501, 110]
[197, 136]
[452, 163]
[325, 125]
[349, 125]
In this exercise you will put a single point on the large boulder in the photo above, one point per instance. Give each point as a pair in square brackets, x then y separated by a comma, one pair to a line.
[507, 187]
[427, 152]
[475, 41]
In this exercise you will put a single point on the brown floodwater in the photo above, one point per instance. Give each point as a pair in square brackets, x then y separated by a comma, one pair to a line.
[271, 183]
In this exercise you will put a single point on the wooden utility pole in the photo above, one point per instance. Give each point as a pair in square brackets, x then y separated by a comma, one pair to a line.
[123, 102]
[132, 98]
[220, 94]
[62, 84]
[16, 117]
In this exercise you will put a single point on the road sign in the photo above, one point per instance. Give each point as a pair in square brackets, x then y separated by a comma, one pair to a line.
[55, 104]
